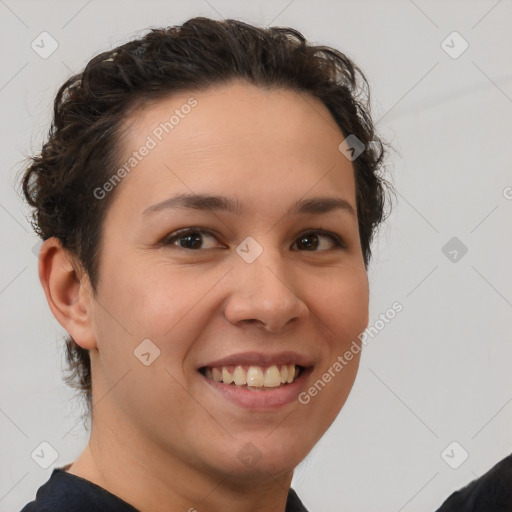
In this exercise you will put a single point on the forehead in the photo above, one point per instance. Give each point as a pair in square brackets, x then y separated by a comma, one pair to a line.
[260, 142]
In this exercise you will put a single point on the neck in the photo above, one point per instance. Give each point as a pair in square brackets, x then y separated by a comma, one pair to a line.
[150, 478]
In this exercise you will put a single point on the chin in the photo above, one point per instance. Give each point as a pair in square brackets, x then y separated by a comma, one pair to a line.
[267, 454]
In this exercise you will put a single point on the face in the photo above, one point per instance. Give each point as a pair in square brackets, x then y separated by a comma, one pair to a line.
[264, 286]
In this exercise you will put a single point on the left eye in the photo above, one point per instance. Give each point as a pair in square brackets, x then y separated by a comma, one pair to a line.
[311, 241]
[191, 238]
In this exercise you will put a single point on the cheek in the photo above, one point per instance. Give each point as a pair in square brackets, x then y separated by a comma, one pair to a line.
[342, 304]
[138, 316]
[149, 299]
[166, 305]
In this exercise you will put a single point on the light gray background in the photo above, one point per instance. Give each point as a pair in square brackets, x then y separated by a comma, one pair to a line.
[440, 371]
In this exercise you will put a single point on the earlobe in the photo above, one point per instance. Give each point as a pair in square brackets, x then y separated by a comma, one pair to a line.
[68, 292]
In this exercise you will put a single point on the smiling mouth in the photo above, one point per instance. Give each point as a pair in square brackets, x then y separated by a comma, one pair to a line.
[255, 378]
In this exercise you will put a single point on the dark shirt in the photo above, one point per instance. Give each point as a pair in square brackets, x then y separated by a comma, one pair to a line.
[492, 492]
[65, 492]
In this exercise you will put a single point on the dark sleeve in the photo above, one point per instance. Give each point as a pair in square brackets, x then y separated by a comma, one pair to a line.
[492, 492]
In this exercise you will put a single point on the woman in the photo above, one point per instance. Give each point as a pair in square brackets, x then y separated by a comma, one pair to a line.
[207, 197]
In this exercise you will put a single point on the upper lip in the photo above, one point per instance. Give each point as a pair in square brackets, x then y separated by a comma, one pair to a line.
[260, 359]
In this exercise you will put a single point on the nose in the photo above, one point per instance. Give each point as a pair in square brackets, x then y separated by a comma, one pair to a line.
[265, 293]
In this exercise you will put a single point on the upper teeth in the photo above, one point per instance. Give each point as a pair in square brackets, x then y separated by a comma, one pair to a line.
[254, 376]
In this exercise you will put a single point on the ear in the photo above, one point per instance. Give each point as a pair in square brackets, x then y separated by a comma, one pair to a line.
[68, 292]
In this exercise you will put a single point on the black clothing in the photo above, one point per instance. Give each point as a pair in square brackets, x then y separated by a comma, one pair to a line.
[492, 492]
[65, 492]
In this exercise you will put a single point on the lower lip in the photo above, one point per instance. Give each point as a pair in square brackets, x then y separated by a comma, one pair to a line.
[268, 398]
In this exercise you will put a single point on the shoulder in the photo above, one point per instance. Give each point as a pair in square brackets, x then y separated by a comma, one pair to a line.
[64, 492]
[293, 503]
[492, 492]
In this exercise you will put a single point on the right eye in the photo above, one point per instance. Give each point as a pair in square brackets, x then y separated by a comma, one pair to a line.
[188, 238]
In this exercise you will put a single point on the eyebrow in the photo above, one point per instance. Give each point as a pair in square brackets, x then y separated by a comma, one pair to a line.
[312, 205]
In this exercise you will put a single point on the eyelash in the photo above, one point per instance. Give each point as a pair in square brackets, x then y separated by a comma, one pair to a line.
[168, 240]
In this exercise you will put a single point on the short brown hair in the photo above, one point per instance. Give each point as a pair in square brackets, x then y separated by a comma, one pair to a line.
[82, 150]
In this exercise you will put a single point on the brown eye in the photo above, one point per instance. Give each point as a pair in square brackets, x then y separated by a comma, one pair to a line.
[188, 238]
[312, 241]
